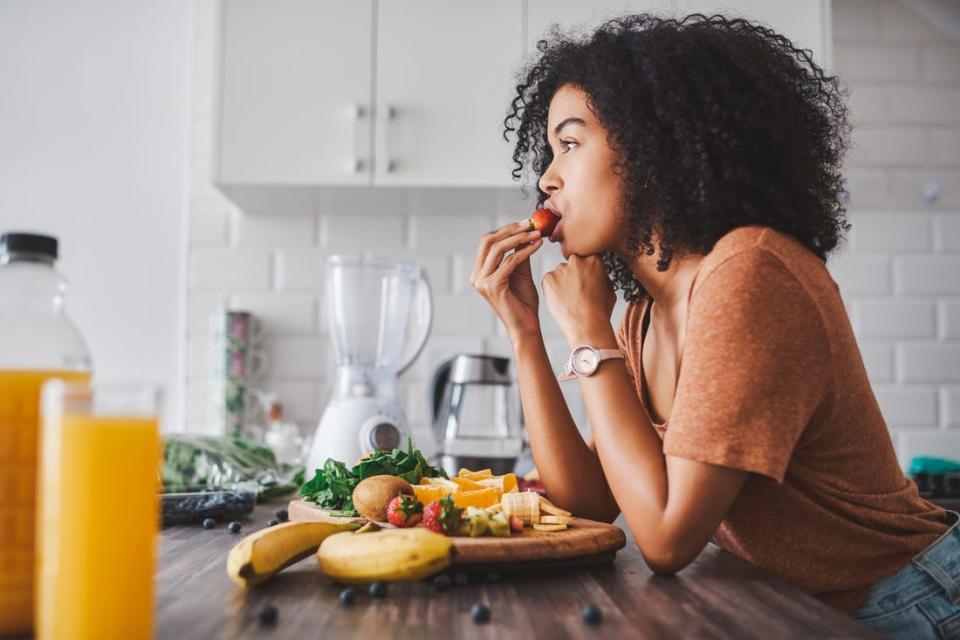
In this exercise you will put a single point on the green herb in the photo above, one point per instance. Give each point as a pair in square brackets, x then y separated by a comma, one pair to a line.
[332, 486]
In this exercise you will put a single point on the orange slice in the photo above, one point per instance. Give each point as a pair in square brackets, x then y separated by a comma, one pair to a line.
[480, 498]
[475, 475]
[467, 485]
[427, 493]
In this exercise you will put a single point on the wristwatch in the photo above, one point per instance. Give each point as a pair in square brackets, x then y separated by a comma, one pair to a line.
[585, 360]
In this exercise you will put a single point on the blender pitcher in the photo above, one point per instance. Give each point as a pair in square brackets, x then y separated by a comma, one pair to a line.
[379, 316]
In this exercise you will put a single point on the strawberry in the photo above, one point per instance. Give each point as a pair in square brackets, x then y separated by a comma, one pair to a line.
[442, 516]
[544, 221]
[404, 511]
[516, 524]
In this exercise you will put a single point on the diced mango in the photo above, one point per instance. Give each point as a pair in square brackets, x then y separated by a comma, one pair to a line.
[475, 475]
[480, 498]
[427, 493]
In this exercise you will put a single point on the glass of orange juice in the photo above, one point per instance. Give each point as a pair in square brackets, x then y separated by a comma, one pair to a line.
[97, 515]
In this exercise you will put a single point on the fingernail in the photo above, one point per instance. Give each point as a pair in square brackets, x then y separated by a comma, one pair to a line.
[533, 234]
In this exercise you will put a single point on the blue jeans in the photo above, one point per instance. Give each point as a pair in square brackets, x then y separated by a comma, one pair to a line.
[922, 600]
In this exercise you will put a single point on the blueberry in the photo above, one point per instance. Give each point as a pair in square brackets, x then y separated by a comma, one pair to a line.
[209, 523]
[442, 582]
[493, 577]
[461, 579]
[282, 515]
[347, 596]
[480, 613]
[378, 589]
[591, 614]
[273, 522]
[268, 615]
[234, 527]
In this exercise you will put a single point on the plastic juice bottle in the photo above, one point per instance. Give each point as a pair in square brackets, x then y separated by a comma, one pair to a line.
[98, 514]
[37, 342]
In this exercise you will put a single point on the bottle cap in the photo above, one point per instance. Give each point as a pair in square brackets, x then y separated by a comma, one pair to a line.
[29, 243]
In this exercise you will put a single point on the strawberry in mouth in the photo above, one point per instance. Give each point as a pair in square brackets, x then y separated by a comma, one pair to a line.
[544, 221]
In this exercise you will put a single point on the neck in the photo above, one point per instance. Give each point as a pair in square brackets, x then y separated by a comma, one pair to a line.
[668, 288]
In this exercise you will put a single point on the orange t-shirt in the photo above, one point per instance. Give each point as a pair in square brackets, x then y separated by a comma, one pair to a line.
[771, 381]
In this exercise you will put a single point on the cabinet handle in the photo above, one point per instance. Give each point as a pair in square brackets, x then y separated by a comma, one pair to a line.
[389, 113]
[356, 114]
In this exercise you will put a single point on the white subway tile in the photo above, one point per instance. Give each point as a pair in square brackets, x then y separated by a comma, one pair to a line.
[299, 399]
[945, 146]
[462, 315]
[950, 407]
[356, 233]
[875, 62]
[454, 201]
[890, 232]
[929, 362]
[248, 269]
[894, 318]
[210, 227]
[364, 201]
[196, 406]
[886, 147]
[855, 20]
[907, 406]
[861, 275]
[301, 269]
[906, 189]
[899, 23]
[200, 304]
[198, 355]
[928, 105]
[867, 105]
[300, 357]
[947, 232]
[438, 350]
[513, 205]
[926, 442]
[868, 187]
[449, 233]
[281, 314]
[941, 63]
[938, 275]
[879, 362]
[949, 319]
[437, 266]
[268, 230]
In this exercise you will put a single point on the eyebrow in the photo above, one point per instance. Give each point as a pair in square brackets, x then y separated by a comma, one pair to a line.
[556, 129]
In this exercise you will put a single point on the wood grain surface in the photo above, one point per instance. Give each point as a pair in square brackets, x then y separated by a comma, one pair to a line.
[586, 541]
[718, 596]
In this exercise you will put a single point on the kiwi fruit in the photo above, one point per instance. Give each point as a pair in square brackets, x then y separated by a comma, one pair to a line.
[372, 495]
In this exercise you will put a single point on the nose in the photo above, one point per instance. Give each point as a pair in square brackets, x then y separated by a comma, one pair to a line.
[550, 181]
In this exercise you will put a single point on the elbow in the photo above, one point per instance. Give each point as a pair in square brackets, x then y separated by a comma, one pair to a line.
[666, 559]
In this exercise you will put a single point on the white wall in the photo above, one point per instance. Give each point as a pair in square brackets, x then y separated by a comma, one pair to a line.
[94, 124]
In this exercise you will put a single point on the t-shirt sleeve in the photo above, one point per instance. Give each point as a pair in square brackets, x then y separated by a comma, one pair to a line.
[755, 367]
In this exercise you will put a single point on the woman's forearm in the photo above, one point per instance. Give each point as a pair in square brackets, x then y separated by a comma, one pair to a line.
[569, 469]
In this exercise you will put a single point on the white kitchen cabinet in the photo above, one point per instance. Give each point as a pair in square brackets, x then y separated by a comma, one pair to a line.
[296, 92]
[445, 77]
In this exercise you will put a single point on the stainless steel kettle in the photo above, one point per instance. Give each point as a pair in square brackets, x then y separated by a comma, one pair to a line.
[476, 416]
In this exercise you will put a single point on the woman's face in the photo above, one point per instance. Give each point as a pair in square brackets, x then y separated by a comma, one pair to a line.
[580, 181]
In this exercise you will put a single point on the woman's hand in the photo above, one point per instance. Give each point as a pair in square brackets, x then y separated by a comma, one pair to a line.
[505, 279]
[581, 298]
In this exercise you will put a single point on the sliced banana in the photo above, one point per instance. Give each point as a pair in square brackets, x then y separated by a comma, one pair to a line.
[555, 520]
[549, 507]
[550, 527]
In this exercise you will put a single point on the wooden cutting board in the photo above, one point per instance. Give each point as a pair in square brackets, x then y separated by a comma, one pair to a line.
[584, 542]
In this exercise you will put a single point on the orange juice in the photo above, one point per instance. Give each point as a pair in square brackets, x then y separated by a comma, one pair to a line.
[98, 522]
[19, 433]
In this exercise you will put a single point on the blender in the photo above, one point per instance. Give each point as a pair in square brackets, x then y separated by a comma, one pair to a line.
[379, 315]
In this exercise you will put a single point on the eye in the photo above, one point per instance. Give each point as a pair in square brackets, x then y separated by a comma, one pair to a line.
[565, 144]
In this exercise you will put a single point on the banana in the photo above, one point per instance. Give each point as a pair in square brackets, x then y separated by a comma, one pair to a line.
[524, 505]
[549, 507]
[391, 555]
[555, 520]
[264, 553]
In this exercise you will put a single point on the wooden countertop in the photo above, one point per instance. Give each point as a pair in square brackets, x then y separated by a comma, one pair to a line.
[718, 596]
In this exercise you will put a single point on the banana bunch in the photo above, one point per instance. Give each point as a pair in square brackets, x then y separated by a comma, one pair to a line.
[264, 553]
[390, 555]
[535, 510]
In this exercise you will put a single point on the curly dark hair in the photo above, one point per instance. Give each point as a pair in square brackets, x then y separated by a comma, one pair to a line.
[717, 123]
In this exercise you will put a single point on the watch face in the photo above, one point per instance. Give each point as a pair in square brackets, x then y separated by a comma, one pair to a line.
[585, 361]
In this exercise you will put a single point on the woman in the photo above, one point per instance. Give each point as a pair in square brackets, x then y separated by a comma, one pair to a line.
[696, 165]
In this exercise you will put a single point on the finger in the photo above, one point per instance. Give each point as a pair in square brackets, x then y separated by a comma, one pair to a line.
[488, 239]
[500, 248]
[516, 259]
